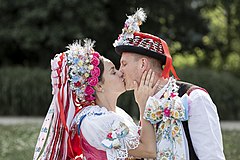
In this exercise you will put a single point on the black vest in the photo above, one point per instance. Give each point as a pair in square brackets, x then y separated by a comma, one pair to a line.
[183, 88]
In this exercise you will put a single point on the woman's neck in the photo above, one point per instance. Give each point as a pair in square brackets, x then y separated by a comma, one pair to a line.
[107, 101]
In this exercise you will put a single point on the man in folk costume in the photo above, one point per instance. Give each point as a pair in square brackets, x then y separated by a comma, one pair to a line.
[184, 116]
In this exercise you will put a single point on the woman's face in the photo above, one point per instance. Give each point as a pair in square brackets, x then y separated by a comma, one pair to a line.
[112, 78]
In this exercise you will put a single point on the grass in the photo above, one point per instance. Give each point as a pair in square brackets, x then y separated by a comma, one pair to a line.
[17, 142]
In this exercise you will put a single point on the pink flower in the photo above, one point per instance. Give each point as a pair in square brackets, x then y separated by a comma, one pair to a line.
[96, 54]
[92, 81]
[95, 61]
[90, 98]
[89, 90]
[95, 72]
[166, 112]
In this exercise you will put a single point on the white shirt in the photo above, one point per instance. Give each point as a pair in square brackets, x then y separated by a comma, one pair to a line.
[204, 126]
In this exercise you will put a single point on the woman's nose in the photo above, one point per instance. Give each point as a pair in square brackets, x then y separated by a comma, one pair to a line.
[120, 74]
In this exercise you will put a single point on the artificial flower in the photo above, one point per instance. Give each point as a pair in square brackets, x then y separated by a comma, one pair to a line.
[95, 72]
[90, 67]
[89, 90]
[95, 61]
[96, 54]
[86, 75]
[92, 81]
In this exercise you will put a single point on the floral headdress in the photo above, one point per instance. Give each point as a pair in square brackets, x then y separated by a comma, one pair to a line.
[83, 71]
[74, 74]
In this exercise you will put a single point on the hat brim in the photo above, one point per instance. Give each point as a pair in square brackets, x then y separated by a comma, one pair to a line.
[139, 50]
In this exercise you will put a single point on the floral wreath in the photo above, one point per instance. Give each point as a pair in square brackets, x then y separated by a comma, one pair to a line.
[83, 71]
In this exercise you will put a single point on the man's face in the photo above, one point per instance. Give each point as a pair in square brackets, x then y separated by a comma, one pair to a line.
[130, 69]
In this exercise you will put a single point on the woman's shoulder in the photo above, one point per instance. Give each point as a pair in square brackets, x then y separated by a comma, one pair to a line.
[123, 113]
[91, 113]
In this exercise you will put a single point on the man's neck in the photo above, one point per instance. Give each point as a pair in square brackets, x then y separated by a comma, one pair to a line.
[162, 83]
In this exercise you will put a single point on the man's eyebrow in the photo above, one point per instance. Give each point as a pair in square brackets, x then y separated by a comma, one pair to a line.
[123, 61]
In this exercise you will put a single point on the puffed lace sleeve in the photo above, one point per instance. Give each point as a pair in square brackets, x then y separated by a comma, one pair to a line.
[113, 132]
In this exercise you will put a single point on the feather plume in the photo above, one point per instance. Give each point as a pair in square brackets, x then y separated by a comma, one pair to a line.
[140, 15]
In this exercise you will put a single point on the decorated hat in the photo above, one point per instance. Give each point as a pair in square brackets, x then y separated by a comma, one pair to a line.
[134, 41]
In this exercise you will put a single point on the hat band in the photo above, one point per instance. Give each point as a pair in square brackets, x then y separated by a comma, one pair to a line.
[146, 43]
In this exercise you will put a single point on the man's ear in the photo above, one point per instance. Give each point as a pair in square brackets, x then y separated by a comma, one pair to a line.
[143, 64]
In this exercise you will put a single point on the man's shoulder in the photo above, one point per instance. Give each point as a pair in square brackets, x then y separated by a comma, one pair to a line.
[186, 87]
[183, 83]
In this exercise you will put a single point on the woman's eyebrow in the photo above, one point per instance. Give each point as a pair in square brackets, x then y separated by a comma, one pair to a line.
[111, 68]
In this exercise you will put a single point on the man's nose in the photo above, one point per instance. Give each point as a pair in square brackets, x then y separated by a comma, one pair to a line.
[120, 68]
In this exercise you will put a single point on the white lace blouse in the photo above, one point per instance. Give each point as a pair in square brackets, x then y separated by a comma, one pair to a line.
[113, 132]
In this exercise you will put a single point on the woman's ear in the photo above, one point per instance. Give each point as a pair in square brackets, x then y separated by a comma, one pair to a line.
[98, 87]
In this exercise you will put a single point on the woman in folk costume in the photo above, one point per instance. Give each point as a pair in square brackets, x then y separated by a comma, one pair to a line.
[83, 121]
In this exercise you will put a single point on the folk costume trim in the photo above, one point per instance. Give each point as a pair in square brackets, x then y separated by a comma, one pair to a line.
[169, 111]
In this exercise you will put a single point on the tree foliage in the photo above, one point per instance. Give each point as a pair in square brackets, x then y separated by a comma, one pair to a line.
[32, 32]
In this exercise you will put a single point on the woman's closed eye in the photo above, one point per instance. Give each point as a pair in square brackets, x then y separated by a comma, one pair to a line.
[114, 71]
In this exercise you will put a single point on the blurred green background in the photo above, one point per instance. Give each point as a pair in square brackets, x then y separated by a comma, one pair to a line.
[203, 37]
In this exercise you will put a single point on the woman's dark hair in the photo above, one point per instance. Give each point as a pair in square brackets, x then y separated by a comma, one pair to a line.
[101, 67]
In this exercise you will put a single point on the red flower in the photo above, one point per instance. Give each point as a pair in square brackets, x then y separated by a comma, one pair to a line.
[92, 81]
[89, 90]
[95, 72]
[109, 136]
[173, 95]
[77, 84]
